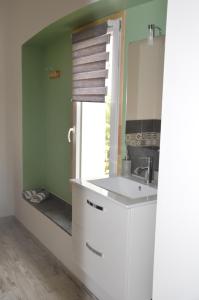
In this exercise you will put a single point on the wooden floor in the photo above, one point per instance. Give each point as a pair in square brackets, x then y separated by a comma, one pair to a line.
[28, 271]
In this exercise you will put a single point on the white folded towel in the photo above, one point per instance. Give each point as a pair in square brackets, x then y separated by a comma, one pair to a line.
[29, 194]
[39, 197]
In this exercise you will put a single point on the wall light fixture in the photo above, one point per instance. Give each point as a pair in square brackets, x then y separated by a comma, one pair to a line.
[152, 28]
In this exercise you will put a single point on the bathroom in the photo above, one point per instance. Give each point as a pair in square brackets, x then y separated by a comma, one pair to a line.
[64, 138]
[58, 160]
[49, 160]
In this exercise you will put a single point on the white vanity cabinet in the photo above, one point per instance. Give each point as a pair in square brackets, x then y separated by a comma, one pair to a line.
[114, 243]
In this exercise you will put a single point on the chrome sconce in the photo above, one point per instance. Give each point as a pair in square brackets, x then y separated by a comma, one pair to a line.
[152, 33]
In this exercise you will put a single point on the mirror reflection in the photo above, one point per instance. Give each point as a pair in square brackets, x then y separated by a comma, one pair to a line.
[144, 103]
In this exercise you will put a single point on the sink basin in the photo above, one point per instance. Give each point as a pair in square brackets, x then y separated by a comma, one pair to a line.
[124, 186]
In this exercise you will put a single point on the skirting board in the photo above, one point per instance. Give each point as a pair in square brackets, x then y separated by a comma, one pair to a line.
[57, 241]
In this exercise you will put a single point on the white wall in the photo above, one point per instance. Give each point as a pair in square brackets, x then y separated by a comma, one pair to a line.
[19, 20]
[6, 186]
[177, 244]
[176, 274]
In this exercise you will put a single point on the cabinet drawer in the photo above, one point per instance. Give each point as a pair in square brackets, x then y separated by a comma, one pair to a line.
[103, 262]
[96, 214]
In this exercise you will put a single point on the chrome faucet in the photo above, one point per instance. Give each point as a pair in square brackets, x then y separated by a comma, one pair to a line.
[147, 169]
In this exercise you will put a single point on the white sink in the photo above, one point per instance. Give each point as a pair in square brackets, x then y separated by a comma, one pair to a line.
[124, 186]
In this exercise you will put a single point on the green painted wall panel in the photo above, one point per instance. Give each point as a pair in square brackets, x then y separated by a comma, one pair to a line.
[33, 118]
[57, 93]
[47, 116]
[139, 17]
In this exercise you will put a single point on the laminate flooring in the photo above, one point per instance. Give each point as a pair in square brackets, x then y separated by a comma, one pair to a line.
[29, 272]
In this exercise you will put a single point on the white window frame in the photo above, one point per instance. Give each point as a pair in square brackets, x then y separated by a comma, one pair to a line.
[114, 28]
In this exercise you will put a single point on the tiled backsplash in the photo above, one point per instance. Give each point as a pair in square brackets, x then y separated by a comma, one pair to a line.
[143, 140]
[135, 153]
[135, 126]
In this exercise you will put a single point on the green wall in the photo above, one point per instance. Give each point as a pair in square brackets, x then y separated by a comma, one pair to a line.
[137, 20]
[33, 118]
[47, 116]
[57, 94]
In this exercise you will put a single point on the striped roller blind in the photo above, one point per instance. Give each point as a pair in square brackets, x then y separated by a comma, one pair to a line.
[89, 63]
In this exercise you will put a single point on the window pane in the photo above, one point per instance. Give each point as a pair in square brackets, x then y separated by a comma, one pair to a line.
[94, 134]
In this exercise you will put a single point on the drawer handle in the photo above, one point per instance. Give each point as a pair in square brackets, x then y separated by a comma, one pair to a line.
[100, 254]
[95, 205]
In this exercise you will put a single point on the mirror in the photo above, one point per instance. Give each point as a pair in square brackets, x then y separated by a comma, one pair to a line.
[144, 103]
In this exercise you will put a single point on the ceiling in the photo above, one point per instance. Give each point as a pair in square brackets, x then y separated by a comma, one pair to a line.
[85, 15]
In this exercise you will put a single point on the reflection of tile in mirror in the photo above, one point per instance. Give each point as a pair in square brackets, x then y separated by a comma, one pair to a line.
[133, 126]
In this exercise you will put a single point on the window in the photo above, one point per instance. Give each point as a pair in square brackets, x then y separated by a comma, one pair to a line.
[98, 98]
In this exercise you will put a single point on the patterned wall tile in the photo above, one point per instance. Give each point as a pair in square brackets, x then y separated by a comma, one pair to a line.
[147, 139]
[143, 140]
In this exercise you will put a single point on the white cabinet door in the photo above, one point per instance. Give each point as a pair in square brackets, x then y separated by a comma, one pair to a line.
[114, 245]
[103, 262]
[100, 240]
[97, 215]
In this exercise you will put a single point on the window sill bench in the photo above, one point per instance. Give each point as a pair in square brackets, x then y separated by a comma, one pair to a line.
[57, 210]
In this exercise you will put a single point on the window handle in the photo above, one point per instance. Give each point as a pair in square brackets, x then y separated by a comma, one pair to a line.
[70, 131]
